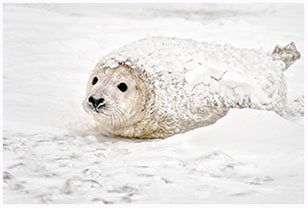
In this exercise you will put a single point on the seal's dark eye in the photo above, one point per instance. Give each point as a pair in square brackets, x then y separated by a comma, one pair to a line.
[94, 81]
[122, 86]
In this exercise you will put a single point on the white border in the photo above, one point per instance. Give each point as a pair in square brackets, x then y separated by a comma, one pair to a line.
[1, 97]
[153, 1]
[159, 205]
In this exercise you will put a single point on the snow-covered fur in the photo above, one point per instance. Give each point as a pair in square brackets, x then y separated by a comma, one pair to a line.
[192, 84]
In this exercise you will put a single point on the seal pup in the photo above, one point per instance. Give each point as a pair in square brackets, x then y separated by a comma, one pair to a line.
[157, 87]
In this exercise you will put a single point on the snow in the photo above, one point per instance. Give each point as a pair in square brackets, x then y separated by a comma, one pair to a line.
[198, 76]
[52, 154]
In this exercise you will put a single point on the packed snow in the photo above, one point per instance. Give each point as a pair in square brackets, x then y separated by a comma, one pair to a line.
[52, 153]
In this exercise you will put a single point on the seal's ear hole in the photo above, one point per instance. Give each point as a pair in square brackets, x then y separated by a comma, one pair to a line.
[94, 81]
[122, 86]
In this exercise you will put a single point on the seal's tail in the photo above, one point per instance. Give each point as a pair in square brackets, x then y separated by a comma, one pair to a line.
[288, 54]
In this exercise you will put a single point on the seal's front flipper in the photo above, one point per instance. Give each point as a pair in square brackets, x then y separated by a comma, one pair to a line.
[288, 54]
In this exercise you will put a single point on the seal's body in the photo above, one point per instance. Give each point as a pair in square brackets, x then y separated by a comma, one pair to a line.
[158, 87]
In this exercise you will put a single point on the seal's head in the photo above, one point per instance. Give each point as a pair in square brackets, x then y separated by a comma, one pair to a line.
[114, 97]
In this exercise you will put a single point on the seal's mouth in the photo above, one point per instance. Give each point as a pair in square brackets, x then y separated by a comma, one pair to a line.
[90, 108]
[97, 109]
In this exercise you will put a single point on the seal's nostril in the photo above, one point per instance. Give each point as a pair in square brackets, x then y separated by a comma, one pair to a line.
[101, 100]
[91, 100]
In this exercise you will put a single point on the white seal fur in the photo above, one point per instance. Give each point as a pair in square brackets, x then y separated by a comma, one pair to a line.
[158, 87]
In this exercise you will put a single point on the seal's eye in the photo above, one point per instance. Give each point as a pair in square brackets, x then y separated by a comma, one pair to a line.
[94, 81]
[122, 86]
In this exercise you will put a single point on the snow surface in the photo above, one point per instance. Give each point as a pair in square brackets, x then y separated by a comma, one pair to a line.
[52, 155]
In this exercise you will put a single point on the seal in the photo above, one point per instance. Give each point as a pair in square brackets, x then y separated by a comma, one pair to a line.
[157, 87]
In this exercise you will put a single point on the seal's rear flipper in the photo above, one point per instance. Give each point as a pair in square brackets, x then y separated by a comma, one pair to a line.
[288, 54]
[294, 109]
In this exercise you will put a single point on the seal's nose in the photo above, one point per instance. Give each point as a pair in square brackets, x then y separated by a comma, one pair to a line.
[95, 102]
